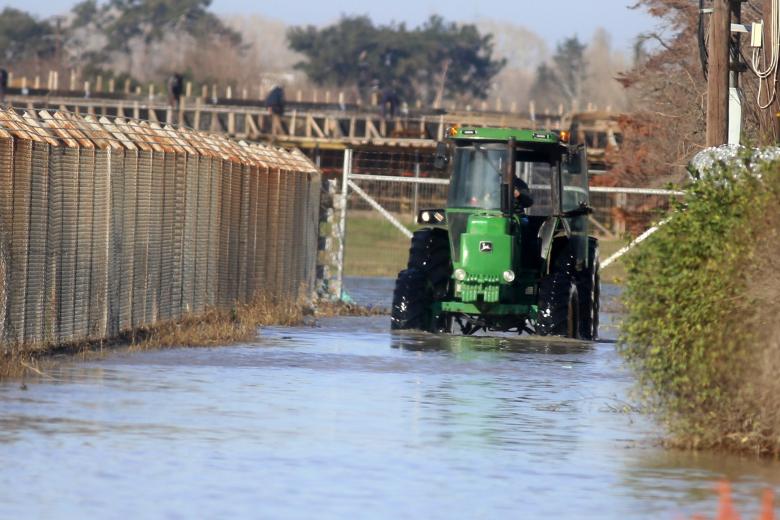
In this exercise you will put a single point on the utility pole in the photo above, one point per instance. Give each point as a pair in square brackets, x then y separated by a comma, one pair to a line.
[773, 111]
[718, 79]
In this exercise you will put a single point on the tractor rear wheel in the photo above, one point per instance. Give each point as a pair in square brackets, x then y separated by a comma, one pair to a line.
[589, 288]
[559, 303]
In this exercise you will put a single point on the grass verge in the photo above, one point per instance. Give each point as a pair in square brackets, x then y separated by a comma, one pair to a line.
[374, 247]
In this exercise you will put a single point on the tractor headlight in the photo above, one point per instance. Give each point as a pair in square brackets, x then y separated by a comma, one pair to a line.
[509, 276]
[426, 216]
[460, 275]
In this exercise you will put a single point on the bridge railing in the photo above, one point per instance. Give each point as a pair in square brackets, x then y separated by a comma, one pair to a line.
[301, 125]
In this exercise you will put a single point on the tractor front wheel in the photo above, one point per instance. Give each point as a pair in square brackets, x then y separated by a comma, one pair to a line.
[426, 280]
[412, 300]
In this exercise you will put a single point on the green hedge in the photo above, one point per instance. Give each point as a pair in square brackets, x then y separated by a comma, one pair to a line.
[691, 317]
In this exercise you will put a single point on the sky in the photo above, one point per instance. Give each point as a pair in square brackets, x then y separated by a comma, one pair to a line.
[552, 19]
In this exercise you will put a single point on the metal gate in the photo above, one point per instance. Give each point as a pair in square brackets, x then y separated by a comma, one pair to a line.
[380, 192]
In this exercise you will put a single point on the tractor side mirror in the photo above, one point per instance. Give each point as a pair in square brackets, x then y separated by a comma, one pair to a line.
[441, 158]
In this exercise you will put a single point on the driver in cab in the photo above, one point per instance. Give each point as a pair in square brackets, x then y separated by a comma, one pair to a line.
[522, 194]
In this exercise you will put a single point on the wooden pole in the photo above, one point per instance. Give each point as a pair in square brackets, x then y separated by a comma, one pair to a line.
[773, 130]
[718, 79]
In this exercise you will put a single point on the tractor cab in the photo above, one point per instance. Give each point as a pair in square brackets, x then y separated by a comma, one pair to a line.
[554, 173]
[516, 231]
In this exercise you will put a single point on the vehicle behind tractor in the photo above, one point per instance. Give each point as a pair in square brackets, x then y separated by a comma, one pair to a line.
[511, 251]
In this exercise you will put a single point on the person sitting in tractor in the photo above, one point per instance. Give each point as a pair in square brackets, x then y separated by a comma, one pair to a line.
[522, 194]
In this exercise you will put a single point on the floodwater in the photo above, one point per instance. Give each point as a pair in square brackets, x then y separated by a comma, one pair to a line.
[346, 420]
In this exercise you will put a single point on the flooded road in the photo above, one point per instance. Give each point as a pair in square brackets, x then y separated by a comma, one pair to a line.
[346, 420]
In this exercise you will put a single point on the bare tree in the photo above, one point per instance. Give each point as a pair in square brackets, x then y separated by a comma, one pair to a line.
[602, 87]
[524, 51]
[667, 92]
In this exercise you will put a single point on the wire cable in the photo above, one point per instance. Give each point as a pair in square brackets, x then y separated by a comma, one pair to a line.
[702, 37]
[768, 73]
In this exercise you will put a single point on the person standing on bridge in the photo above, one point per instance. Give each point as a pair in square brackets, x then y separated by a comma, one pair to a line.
[3, 84]
[175, 89]
[275, 101]
[389, 102]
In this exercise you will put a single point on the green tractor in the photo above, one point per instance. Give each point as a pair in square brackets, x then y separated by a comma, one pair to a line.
[512, 251]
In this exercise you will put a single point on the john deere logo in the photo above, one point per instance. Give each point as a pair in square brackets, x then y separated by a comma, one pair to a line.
[486, 247]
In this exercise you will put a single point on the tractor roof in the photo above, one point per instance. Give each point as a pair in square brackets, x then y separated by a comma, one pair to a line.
[468, 133]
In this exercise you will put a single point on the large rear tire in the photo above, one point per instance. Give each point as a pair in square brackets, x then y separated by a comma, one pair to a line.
[559, 304]
[589, 288]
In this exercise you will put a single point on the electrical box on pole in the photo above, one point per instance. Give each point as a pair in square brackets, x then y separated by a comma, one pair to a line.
[757, 35]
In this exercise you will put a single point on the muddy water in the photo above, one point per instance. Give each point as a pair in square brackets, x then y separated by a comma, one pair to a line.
[346, 420]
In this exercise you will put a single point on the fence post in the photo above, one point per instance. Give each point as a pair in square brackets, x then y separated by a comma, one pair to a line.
[416, 184]
[346, 172]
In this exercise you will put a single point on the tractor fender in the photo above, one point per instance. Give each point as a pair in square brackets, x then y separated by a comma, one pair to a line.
[553, 228]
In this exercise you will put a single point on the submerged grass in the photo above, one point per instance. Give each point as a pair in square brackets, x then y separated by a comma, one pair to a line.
[213, 327]
[330, 309]
[220, 327]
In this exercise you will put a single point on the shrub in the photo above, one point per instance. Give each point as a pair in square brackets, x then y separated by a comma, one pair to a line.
[696, 296]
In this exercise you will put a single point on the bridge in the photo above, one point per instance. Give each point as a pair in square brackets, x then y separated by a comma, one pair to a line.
[305, 125]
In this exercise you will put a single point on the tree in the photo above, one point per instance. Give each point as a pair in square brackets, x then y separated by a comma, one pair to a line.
[604, 67]
[127, 25]
[668, 92]
[23, 37]
[523, 50]
[418, 62]
[562, 81]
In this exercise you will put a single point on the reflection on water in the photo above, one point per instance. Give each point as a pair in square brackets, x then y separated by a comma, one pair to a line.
[349, 420]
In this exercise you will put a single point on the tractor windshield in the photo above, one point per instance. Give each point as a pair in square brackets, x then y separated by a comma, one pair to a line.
[476, 176]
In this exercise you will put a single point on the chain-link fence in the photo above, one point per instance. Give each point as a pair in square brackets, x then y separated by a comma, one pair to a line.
[109, 225]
